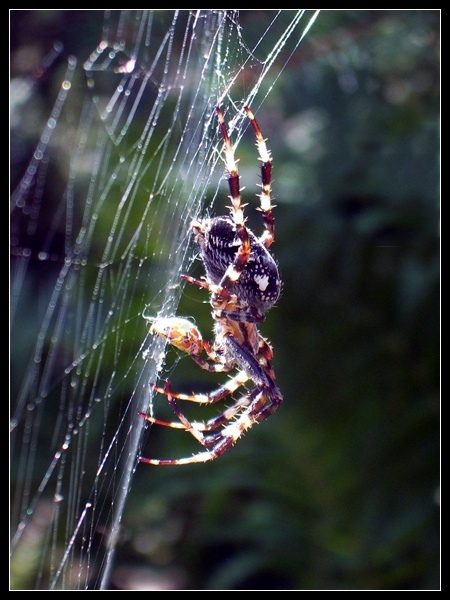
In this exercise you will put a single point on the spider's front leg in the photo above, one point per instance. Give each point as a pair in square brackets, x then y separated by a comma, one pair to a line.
[256, 406]
[218, 442]
[211, 424]
[185, 336]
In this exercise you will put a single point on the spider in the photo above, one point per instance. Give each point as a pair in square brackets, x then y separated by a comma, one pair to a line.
[243, 281]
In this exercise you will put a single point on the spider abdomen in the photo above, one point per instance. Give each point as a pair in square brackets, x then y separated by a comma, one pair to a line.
[259, 285]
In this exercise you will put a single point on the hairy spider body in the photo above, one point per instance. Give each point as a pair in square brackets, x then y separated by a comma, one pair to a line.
[243, 281]
[258, 286]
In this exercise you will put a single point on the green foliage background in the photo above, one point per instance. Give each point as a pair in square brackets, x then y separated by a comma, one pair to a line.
[338, 490]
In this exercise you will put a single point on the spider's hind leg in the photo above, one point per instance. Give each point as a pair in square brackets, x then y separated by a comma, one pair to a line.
[266, 182]
[235, 269]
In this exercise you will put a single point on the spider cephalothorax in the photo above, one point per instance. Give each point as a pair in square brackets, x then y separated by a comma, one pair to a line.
[243, 281]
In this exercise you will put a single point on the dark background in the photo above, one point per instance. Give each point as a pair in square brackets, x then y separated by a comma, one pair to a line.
[340, 489]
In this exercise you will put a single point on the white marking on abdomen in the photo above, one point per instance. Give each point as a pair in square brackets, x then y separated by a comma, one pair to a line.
[262, 281]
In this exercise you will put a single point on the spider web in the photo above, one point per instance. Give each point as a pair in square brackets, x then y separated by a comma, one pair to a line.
[133, 129]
